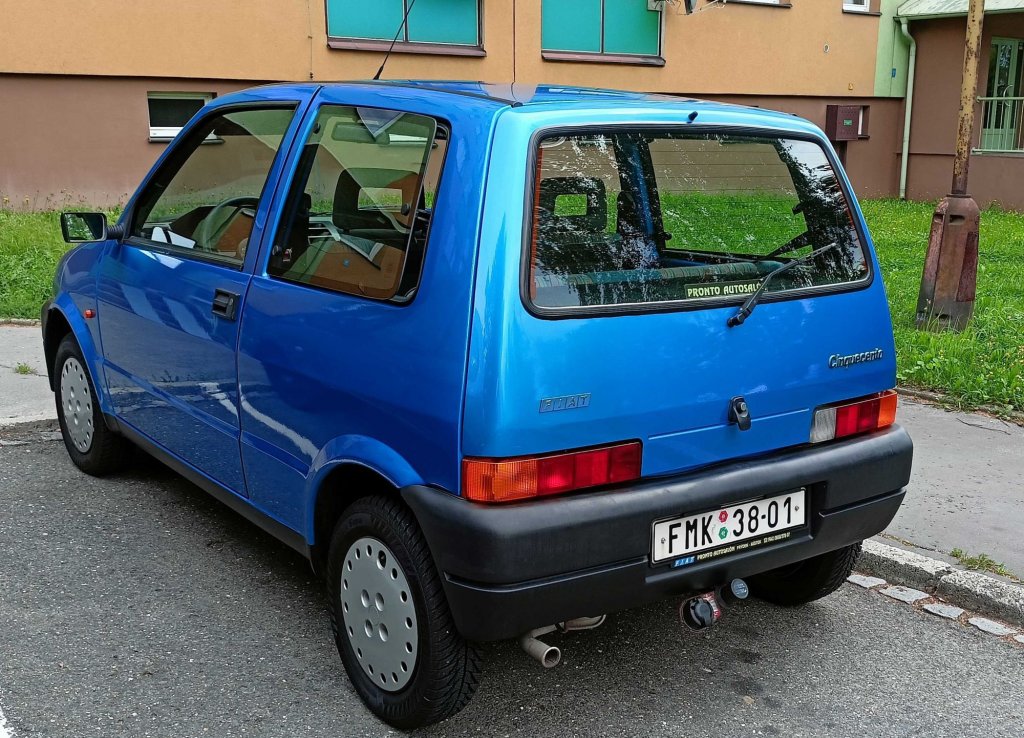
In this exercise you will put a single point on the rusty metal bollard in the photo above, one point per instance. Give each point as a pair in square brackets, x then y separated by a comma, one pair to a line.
[946, 299]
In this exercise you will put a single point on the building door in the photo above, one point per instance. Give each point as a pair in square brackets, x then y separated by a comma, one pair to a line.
[1001, 111]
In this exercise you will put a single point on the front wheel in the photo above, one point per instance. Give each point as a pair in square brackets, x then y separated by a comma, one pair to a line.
[806, 581]
[92, 446]
[391, 620]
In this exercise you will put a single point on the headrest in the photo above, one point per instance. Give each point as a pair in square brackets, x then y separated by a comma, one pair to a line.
[352, 181]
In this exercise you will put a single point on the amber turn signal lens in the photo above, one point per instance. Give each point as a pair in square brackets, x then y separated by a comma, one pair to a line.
[507, 480]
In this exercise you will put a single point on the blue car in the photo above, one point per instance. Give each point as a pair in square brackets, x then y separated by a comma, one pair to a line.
[497, 359]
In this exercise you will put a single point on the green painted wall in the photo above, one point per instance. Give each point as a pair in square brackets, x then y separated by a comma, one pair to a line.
[893, 55]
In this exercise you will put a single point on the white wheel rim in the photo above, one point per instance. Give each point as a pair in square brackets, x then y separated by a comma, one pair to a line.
[76, 404]
[378, 614]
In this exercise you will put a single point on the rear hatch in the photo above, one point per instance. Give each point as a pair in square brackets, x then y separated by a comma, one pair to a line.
[641, 245]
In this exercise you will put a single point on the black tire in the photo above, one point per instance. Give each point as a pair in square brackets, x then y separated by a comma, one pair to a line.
[806, 581]
[447, 669]
[107, 451]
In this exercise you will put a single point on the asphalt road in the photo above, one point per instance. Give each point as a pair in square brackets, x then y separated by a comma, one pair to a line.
[138, 606]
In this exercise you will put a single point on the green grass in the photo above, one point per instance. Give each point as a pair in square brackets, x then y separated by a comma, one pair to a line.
[736, 223]
[23, 368]
[981, 562]
[983, 366]
[30, 245]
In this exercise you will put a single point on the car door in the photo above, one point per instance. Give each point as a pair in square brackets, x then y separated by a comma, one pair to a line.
[171, 292]
[339, 349]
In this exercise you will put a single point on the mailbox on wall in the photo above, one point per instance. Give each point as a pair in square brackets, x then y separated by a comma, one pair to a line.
[846, 122]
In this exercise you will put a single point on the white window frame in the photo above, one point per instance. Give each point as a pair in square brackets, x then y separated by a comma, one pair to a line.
[857, 6]
[163, 134]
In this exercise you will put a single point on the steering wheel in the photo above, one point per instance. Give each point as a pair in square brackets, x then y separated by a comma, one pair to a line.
[206, 235]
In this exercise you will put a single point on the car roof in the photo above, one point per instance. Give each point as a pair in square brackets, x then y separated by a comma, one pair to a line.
[554, 98]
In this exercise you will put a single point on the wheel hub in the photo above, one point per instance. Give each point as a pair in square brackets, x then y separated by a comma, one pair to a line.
[76, 404]
[379, 614]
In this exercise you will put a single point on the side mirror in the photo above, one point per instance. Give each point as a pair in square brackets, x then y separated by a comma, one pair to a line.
[86, 227]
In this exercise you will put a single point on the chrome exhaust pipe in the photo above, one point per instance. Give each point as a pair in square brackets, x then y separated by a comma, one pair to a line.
[545, 655]
[588, 623]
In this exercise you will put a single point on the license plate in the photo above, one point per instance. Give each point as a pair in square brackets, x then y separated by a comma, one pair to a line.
[732, 527]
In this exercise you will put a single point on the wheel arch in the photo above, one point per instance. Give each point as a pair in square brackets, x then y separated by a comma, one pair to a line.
[62, 318]
[55, 327]
[345, 482]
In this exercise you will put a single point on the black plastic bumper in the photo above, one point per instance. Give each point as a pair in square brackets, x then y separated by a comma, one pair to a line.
[510, 568]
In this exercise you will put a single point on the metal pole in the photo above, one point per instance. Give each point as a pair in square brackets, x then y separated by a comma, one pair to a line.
[950, 276]
[968, 96]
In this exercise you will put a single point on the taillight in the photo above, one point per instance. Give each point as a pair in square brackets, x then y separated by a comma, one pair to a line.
[848, 419]
[506, 480]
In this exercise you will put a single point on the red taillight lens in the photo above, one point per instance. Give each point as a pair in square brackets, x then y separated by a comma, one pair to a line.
[871, 413]
[506, 480]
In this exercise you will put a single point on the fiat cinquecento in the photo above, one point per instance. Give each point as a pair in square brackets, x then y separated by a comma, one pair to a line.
[499, 360]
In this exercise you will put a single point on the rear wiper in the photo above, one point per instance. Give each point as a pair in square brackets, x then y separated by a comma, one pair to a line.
[751, 302]
[792, 245]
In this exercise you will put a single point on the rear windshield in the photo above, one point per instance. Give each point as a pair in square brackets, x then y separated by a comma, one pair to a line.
[641, 217]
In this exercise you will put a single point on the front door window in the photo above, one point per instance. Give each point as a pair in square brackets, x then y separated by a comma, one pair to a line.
[1001, 106]
[203, 201]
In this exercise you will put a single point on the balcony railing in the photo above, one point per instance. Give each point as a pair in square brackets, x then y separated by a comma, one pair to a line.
[1001, 124]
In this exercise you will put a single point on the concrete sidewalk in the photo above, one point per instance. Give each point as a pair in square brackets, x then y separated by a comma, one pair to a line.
[23, 397]
[966, 491]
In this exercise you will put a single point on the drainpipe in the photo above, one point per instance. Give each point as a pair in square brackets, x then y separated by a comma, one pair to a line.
[908, 107]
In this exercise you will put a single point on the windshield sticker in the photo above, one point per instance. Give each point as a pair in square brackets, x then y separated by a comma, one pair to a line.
[722, 289]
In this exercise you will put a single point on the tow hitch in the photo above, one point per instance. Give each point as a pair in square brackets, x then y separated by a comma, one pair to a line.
[704, 610]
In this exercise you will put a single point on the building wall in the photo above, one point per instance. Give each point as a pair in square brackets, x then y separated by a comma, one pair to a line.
[893, 53]
[871, 163]
[66, 140]
[710, 51]
[97, 64]
[940, 54]
[737, 48]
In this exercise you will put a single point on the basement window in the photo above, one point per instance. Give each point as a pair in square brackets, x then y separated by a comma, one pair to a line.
[170, 111]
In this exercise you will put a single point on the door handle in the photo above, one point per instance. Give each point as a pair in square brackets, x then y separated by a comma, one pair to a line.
[225, 304]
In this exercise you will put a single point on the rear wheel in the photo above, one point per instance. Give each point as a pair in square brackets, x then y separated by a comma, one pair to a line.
[806, 581]
[391, 620]
[92, 446]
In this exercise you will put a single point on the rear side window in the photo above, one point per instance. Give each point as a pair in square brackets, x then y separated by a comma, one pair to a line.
[635, 218]
[359, 210]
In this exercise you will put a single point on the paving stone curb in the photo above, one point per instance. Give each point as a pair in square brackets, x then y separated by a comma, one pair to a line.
[976, 591]
[19, 321]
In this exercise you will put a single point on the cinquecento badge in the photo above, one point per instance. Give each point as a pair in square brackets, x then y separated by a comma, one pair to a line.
[841, 361]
